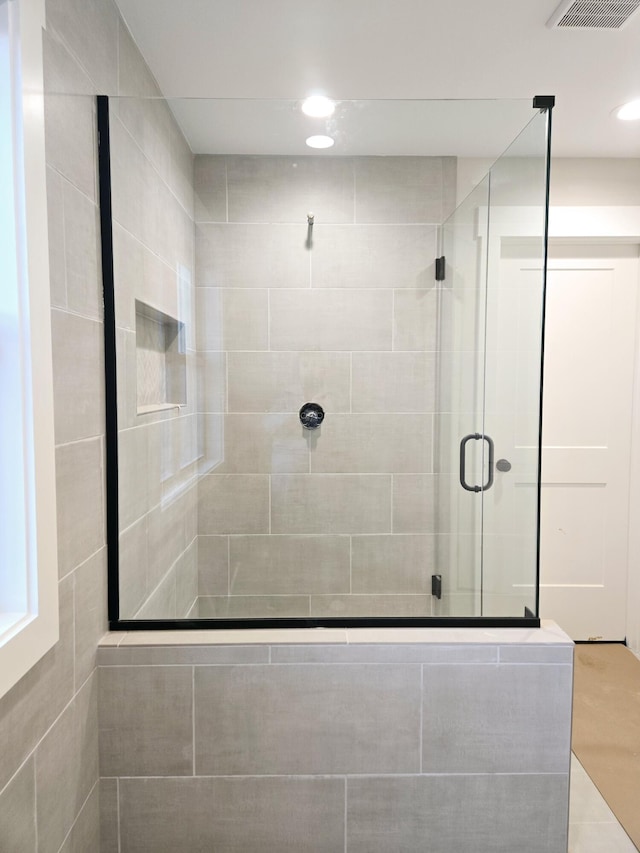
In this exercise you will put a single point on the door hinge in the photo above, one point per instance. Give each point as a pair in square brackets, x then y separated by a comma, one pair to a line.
[436, 586]
[440, 268]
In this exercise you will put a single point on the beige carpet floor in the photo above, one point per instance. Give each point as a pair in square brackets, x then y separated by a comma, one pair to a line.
[606, 727]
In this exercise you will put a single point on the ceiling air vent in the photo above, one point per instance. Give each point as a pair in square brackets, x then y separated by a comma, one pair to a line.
[593, 14]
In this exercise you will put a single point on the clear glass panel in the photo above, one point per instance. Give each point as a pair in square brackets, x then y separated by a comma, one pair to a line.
[459, 411]
[253, 276]
[513, 363]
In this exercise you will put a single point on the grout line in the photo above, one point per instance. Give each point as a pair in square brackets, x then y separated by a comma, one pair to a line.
[393, 480]
[64, 238]
[73, 631]
[421, 714]
[118, 814]
[229, 564]
[35, 797]
[345, 812]
[393, 320]
[156, 169]
[85, 561]
[71, 828]
[226, 189]
[369, 775]
[270, 489]
[193, 717]
[118, 37]
[355, 188]
[268, 320]
[350, 565]
[433, 443]
[226, 382]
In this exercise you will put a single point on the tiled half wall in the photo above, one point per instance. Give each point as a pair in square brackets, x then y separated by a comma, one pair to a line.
[354, 743]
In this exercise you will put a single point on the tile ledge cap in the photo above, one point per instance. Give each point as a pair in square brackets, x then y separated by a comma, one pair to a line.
[548, 634]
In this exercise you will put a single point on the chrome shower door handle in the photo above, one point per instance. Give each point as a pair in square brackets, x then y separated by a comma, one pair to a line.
[476, 436]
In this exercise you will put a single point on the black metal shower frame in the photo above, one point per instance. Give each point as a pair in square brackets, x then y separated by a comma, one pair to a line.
[543, 103]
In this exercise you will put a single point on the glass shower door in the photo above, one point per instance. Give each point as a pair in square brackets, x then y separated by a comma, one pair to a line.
[487, 437]
[459, 447]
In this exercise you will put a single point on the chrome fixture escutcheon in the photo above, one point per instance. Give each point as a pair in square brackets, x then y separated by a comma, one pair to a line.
[311, 415]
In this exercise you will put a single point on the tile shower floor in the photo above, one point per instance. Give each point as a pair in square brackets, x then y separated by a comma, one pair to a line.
[593, 827]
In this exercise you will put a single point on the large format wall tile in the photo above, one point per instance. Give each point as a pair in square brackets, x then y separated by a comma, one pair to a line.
[466, 814]
[30, 708]
[78, 376]
[186, 572]
[286, 189]
[17, 812]
[373, 256]
[330, 319]
[399, 189]
[210, 183]
[270, 815]
[82, 253]
[284, 381]
[133, 474]
[69, 103]
[79, 485]
[252, 256]
[160, 603]
[310, 719]
[330, 503]
[109, 826]
[145, 721]
[71, 744]
[213, 565]
[529, 731]
[85, 834]
[232, 319]
[55, 228]
[289, 565]
[374, 444]
[394, 382]
[363, 606]
[233, 503]
[90, 613]
[253, 606]
[132, 568]
[91, 31]
[415, 320]
[264, 443]
[392, 564]
[419, 504]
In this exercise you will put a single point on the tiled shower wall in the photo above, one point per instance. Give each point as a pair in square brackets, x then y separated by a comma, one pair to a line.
[153, 232]
[48, 721]
[343, 313]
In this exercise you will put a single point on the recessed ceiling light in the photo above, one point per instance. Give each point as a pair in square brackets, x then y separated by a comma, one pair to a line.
[320, 142]
[318, 106]
[629, 112]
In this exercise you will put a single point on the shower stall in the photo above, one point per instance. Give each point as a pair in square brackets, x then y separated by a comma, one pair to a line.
[323, 370]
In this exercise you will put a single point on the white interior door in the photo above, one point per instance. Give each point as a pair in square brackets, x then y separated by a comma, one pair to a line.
[587, 418]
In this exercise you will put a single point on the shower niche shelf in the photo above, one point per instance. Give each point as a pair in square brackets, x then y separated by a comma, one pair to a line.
[161, 361]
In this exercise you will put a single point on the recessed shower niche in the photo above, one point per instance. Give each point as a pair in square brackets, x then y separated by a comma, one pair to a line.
[228, 511]
[161, 360]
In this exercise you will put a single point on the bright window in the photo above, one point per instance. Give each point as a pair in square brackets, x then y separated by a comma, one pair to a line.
[28, 562]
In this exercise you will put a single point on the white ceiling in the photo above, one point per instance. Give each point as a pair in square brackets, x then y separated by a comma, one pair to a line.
[397, 49]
